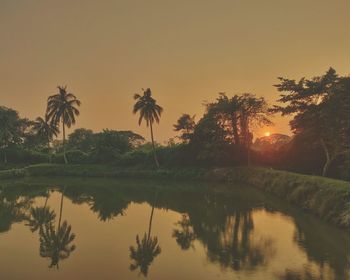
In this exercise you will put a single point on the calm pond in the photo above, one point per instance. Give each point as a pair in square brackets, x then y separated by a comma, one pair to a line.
[71, 228]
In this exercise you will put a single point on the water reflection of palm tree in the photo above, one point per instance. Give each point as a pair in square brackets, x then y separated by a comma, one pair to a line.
[39, 216]
[185, 235]
[146, 249]
[56, 244]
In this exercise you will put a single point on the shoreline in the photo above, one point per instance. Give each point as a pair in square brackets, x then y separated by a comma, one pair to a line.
[328, 199]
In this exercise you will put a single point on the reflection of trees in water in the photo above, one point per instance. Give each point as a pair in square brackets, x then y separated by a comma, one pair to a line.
[107, 207]
[56, 244]
[13, 208]
[307, 273]
[146, 249]
[318, 241]
[222, 223]
[144, 253]
[236, 246]
[39, 216]
[184, 234]
[106, 202]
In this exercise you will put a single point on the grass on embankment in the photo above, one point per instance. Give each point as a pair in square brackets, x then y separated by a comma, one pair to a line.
[329, 199]
[99, 171]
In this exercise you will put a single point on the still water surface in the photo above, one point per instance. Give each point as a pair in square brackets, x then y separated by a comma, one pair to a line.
[107, 229]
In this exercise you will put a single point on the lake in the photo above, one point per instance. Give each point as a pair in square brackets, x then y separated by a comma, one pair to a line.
[74, 228]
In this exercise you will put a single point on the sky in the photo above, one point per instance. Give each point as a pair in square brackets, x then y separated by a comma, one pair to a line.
[186, 51]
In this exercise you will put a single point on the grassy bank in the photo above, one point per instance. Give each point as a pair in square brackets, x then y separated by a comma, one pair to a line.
[329, 199]
[100, 171]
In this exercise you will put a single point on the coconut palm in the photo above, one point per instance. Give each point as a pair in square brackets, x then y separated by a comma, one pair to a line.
[62, 107]
[46, 130]
[146, 249]
[149, 111]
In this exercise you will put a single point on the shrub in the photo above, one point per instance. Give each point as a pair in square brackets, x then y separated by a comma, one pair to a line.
[73, 156]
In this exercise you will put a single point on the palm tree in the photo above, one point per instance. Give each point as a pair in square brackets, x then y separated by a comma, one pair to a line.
[62, 107]
[146, 249]
[150, 111]
[46, 130]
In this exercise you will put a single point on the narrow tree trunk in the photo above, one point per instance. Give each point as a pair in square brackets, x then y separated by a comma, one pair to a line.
[47, 198]
[326, 168]
[64, 143]
[61, 210]
[328, 159]
[151, 218]
[5, 156]
[235, 131]
[48, 150]
[153, 146]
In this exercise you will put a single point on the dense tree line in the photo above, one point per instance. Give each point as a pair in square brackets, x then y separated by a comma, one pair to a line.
[319, 107]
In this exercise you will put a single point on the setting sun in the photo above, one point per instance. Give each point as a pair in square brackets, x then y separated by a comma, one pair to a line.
[267, 134]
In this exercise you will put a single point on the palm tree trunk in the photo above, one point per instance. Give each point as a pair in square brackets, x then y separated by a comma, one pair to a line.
[151, 217]
[47, 198]
[153, 146]
[64, 142]
[48, 150]
[61, 209]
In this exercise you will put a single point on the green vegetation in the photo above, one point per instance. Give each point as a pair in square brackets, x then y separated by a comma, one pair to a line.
[222, 137]
[327, 198]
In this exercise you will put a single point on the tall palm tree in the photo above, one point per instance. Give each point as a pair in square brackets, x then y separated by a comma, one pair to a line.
[46, 130]
[62, 107]
[146, 249]
[150, 111]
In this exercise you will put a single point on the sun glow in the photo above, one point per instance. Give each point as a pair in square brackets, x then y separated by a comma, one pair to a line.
[267, 134]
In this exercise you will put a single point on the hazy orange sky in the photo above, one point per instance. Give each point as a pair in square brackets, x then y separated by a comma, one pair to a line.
[186, 51]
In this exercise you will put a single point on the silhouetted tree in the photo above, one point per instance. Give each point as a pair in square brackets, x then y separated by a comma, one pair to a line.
[12, 128]
[62, 107]
[186, 125]
[46, 130]
[252, 111]
[149, 111]
[321, 109]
